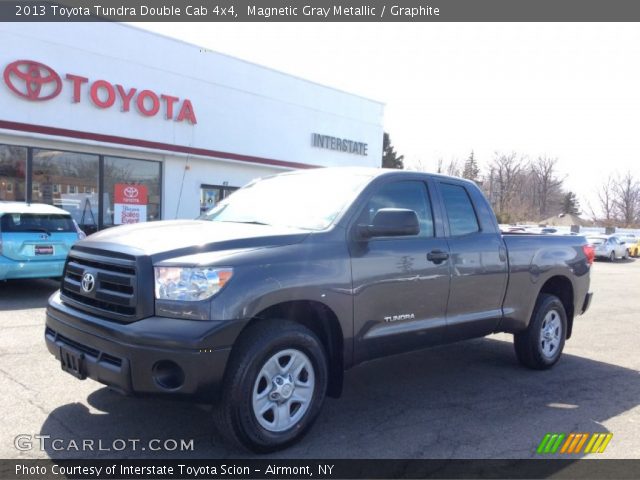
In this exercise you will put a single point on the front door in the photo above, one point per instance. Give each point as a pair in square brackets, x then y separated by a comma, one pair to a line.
[400, 296]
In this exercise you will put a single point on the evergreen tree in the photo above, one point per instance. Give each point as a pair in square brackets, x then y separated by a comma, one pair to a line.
[390, 158]
[570, 204]
[471, 170]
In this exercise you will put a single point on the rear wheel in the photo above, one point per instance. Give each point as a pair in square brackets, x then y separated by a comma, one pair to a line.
[612, 256]
[274, 386]
[541, 344]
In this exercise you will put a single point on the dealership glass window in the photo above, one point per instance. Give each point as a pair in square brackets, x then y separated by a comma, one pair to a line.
[134, 204]
[210, 195]
[13, 165]
[56, 176]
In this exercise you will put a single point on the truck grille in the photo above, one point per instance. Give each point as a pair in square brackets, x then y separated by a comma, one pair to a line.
[105, 284]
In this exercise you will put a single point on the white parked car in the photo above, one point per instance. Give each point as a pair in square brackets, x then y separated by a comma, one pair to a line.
[608, 246]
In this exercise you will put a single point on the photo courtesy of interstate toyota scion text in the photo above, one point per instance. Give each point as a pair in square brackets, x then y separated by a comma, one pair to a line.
[260, 305]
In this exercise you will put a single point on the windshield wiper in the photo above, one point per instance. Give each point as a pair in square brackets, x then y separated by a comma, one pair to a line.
[252, 222]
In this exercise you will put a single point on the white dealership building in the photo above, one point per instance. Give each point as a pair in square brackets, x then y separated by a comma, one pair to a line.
[117, 125]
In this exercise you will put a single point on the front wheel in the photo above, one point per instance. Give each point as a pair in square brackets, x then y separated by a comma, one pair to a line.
[612, 256]
[540, 345]
[274, 386]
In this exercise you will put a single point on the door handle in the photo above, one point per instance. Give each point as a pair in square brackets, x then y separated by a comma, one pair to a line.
[437, 256]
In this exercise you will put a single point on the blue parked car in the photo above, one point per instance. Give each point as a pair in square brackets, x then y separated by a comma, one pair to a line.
[34, 240]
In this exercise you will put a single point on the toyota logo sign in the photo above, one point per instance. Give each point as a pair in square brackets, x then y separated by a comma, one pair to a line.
[88, 282]
[131, 192]
[37, 82]
[34, 81]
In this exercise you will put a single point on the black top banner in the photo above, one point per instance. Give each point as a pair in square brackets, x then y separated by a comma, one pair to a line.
[322, 11]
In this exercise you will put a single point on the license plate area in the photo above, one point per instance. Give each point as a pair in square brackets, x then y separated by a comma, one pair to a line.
[72, 361]
[43, 249]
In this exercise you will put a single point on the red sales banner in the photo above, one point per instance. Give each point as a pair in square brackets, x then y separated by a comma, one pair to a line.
[130, 194]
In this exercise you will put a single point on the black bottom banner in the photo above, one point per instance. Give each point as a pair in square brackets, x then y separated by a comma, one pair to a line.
[321, 469]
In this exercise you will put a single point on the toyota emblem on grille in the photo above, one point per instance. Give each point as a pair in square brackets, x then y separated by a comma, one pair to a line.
[88, 282]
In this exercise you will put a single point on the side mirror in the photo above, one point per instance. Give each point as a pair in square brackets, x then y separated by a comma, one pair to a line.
[391, 222]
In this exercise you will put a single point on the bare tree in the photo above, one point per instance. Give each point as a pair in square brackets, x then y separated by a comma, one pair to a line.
[606, 195]
[626, 199]
[507, 179]
[547, 187]
[451, 168]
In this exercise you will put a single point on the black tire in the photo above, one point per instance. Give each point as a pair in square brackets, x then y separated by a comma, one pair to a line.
[612, 256]
[528, 344]
[234, 414]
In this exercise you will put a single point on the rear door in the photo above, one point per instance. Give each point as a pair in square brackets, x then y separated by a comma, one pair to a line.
[400, 296]
[34, 237]
[478, 264]
[618, 246]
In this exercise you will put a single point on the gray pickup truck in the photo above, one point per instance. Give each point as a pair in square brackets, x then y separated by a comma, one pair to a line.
[260, 305]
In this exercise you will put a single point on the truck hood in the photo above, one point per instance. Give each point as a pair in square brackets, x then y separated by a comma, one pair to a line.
[172, 238]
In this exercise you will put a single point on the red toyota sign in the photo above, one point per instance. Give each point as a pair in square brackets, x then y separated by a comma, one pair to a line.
[32, 80]
[130, 194]
[36, 81]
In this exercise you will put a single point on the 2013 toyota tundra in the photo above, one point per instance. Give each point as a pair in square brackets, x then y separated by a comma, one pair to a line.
[260, 305]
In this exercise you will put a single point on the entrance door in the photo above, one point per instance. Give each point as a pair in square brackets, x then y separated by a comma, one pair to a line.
[400, 296]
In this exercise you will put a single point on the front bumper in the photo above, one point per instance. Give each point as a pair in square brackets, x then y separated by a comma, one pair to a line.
[152, 356]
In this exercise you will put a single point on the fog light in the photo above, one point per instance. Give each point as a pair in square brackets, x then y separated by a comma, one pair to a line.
[168, 374]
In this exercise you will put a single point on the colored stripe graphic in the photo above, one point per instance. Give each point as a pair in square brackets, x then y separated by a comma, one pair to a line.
[567, 443]
[544, 441]
[598, 442]
[582, 442]
[574, 442]
[550, 443]
[556, 445]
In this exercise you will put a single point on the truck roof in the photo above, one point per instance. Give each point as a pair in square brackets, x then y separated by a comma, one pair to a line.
[371, 172]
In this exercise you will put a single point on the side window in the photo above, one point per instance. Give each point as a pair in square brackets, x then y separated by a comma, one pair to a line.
[462, 216]
[411, 195]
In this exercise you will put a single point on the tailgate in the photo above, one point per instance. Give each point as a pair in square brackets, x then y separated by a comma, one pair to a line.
[36, 236]
[34, 246]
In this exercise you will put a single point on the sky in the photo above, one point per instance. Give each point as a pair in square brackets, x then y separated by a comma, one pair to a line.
[564, 90]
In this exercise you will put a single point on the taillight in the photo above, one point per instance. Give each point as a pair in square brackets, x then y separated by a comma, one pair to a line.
[589, 252]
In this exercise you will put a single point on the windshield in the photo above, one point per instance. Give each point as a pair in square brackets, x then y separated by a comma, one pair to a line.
[34, 222]
[309, 200]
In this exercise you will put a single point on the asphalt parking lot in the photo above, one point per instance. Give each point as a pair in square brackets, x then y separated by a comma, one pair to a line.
[468, 400]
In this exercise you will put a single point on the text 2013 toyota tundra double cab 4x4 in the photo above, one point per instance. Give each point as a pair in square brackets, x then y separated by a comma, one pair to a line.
[260, 305]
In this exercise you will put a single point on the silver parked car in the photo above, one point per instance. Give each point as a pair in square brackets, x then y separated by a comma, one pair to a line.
[608, 246]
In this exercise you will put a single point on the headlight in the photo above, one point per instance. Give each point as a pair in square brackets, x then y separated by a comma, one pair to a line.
[189, 284]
